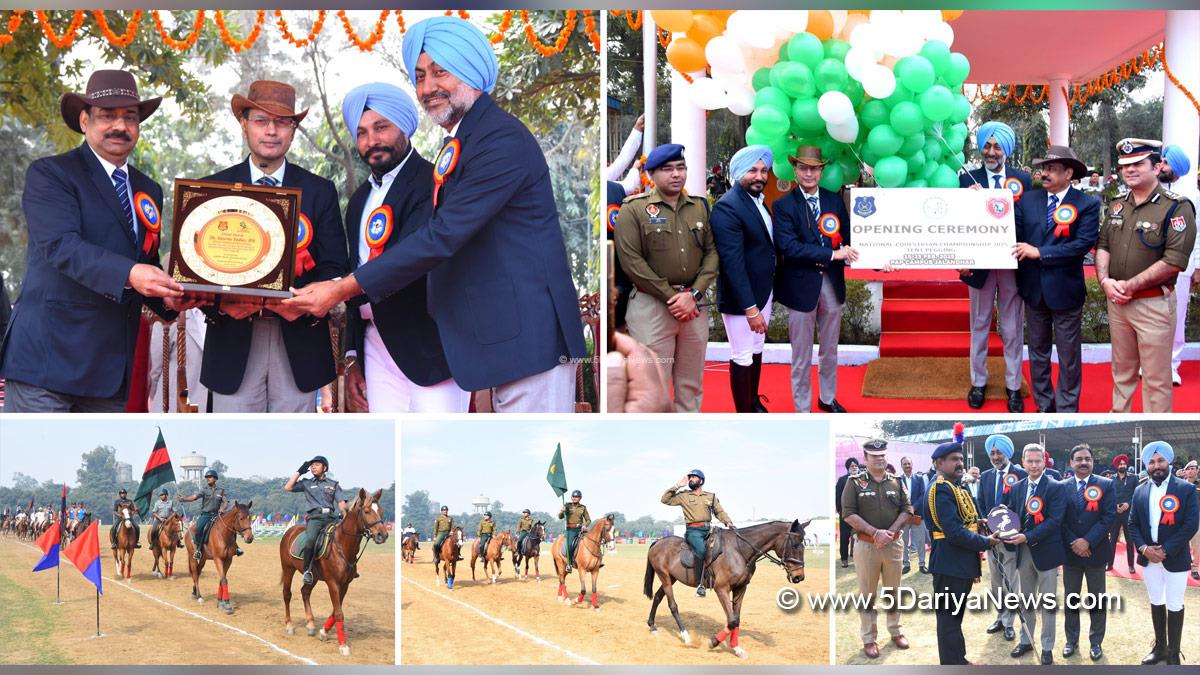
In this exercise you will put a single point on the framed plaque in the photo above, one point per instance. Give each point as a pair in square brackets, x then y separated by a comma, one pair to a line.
[1003, 521]
[234, 239]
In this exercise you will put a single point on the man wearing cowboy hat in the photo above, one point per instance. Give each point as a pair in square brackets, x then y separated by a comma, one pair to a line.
[812, 237]
[273, 358]
[92, 261]
[1146, 242]
[1056, 226]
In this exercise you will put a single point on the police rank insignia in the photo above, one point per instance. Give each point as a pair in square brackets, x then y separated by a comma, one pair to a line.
[148, 216]
[997, 207]
[378, 230]
[1063, 217]
[864, 207]
[447, 159]
[652, 210]
[304, 237]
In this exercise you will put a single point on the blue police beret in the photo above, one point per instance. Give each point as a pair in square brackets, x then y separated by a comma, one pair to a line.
[616, 193]
[667, 152]
[945, 449]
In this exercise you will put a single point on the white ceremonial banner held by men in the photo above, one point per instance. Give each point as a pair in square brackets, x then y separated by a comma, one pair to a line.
[932, 228]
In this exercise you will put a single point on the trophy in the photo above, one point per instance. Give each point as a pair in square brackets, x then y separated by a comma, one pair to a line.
[1003, 522]
[235, 239]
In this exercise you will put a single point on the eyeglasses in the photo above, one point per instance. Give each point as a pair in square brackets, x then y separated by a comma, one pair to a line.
[262, 122]
[107, 118]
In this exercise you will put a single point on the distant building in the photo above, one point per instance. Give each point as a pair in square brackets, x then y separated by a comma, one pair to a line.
[481, 504]
[124, 472]
[193, 466]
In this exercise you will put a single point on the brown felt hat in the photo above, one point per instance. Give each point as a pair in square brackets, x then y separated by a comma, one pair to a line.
[106, 89]
[809, 155]
[273, 98]
[1065, 156]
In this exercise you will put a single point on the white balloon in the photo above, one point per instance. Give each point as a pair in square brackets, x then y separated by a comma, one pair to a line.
[878, 81]
[835, 107]
[867, 36]
[741, 100]
[725, 54]
[942, 32]
[707, 93]
[839, 19]
[858, 60]
[795, 21]
[846, 132]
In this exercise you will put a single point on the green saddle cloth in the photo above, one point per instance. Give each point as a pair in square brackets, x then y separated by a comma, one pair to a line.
[296, 550]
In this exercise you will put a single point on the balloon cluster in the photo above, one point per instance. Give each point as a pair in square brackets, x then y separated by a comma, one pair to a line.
[878, 87]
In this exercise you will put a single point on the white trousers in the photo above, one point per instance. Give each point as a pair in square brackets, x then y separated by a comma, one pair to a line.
[743, 342]
[1183, 285]
[1163, 587]
[390, 391]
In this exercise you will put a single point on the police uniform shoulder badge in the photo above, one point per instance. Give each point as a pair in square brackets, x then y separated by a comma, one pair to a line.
[378, 230]
[147, 213]
[1178, 223]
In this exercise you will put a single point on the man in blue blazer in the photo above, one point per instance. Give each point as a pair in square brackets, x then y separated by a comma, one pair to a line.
[92, 260]
[1041, 504]
[1164, 515]
[995, 288]
[1091, 510]
[499, 285]
[994, 486]
[396, 359]
[1056, 226]
[741, 227]
[812, 238]
[914, 535]
[273, 357]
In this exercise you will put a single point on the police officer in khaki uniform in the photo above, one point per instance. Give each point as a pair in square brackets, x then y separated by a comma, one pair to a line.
[487, 527]
[524, 525]
[665, 245]
[1145, 242]
[442, 527]
[578, 520]
[876, 506]
[699, 507]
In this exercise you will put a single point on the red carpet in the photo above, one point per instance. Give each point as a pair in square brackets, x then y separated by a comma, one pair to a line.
[928, 318]
[1121, 567]
[1095, 397]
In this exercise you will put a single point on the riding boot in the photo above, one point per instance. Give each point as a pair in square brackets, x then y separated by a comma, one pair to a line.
[755, 376]
[308, 575]
[739, 386]
[238, 551]
[700, 591]
[1158, 615]
[1174, 635]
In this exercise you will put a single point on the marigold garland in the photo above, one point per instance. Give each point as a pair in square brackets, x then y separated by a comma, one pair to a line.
[400, 21]
[589, 29]
[664, 37]
[559, 44]
[14, 22]
[119, 41]
[235, 45]
[505, 24]
[375, 36]
[68, 36]
[187, 42]
[635, 24]
[1175, 81]
[305, 41]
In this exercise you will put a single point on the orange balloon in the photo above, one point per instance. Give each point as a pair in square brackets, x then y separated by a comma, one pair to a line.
[864, 12]
[686, 55]
[949, 15]
[852, 21]
[820, 23]
[674, 20]
[706, 27]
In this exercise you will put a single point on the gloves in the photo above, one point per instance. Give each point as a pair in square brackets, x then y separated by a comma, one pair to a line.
[304, 468]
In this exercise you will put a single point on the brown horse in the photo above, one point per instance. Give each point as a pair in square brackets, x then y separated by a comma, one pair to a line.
[220, 548]
[163, 546]
[123, 553]
[530, 548]
[589, 557]
[447, 558]
[409, 548]
[79, 527]
[493, 556]
[363, 521]
[737, 552]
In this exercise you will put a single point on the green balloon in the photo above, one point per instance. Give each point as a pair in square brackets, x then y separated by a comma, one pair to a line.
[957, 70]
[854, 91]
[805, 48]
[761, 79]
[831, 75]
[782, 146]
[806, 116]
[933, 149]
[832, 178]
[755, 136]
[770, 120]
[912, 144]
[906, 118]
[961, 111]
[796, 79]
[956, 136]
[915, 73]
[929, 169]
[772, 96]
[884, 140]
[783, 171]
[873, 113]
[890, 172]
[936, 103]
[916, 183]
[869, 158]
[938, 55]
[900, 95]
[916, 161]
[829, 147]
[836, 49]
[849, 165]
[943, 177]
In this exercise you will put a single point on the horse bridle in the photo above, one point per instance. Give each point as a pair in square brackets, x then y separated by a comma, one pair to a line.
[767, 554]
[235, 530]
[599, 552]
[364, 534]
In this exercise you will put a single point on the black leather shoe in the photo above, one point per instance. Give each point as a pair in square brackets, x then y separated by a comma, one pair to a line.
[996, 627]
[1020, 650]
[1047, 657]
[758, 404]
[1048, 409]
[906, 569]
[700, 592]
[1010, 634]
[1015, 403]
[975, 397]
[238, 552]
[924, 570]
[845, 564]
[1069, 650]
[831, 407]
[1096, 653]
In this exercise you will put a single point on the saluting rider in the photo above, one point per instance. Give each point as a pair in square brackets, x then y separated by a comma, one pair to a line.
[699, 508]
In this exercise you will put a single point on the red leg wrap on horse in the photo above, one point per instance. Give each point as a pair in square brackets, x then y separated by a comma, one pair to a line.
[594, 602]
[341, 631]
[733, 638]
[329, 623]
[724, 633]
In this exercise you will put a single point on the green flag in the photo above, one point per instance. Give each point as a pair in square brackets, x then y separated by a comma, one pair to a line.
[556, 476]
[158, 472]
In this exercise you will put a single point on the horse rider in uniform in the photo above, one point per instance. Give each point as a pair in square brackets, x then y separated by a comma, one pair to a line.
[323, 503]
[876, 505]
[576, 515]
[524, 526]
[487, 527]
[160, 511]
[123, 502]
[212, 500]
[699, 508]
[442, 527]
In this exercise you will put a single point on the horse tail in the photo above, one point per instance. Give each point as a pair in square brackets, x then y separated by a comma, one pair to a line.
[648, 588]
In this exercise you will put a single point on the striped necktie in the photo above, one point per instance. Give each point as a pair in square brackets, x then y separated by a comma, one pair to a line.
[1050, 207]
[268, 181]
[1079, 494]
[121, 184]
[815, 209]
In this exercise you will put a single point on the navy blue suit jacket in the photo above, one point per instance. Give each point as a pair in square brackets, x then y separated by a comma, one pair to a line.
[403, 321]
[747, 254]
[918, 493]
[1057, 277]
[1090, 525]
[987, 487]
[309, 350]
[499, 285]
[1173, 538]
[1045, 539]
[75, 325]
[957, 553]
[970, 178]
[803, 256]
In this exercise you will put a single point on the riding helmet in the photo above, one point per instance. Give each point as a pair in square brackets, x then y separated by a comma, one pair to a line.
[322, 460]
[123, 492]
[577, 493]
[697, 473]
[446, 508]
[488, 514]
[162, 491]
[213, 473]
[526, 511]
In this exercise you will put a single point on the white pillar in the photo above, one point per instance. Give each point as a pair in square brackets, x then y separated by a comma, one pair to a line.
[1060, 112]
[649, 81]
[1181, 125]
[688, 130]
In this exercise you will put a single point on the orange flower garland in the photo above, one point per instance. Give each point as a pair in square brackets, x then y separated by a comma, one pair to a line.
[14, 22]
[635, 24]
[505, 24]
[68, 36]
[664, 37]
[589, 29]
[1175, 81]
[243, 45]
[559, 44]
[305, 41]
[400, 21]
[187, 42]
[119, 41]
[375, 36]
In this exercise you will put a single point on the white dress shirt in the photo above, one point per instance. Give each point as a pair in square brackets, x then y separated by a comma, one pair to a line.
[761, 202]
[109, 168]
[1153, 510]
[256, 173]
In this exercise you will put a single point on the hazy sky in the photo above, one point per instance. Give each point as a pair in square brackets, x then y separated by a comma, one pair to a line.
[760, 468]
[360, 451]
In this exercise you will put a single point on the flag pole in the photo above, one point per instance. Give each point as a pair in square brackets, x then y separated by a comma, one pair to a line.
[97, 612]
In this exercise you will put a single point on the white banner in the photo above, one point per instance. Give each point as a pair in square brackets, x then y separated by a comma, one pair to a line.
[932, 228]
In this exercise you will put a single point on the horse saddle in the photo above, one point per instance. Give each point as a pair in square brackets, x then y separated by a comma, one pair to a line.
[713, 547]
[320, 550]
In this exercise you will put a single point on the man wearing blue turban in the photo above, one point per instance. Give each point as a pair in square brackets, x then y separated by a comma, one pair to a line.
[395, 358]
[741, 226]
[995, 288]
[499, 284]
[1173, 167]
[994, 484]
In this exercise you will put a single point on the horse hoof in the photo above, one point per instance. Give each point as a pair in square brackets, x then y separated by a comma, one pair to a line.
[741, 653]
[322, 635]
[290, 630]
[597, 610]
[686, 637]
[653, 631]
[312, 632]
[344, 649]
[229, 609]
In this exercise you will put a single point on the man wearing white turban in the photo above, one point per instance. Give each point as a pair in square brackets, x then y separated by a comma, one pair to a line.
[995, 288]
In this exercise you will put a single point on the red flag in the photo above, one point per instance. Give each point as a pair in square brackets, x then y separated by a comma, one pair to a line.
[85, 553]
[48, 542]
